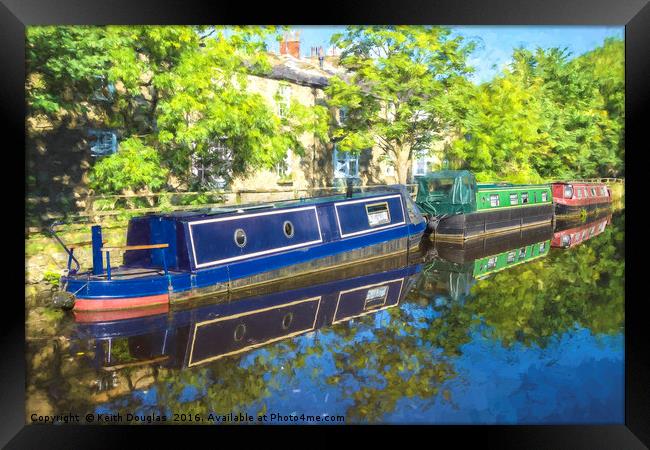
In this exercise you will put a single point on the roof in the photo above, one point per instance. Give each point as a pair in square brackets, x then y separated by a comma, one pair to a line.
[304, 71]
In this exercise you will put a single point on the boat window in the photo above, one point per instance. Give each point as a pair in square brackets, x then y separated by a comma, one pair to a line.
[378, 214]
[511, 257]
[544, 196]
[522, 252]
[593, 192]
[440, 185]
[579, 193]
[492, 262]
[494, 200]
[524, 197]
[286, 320]
[239, 333]
[542, 246]
[514, 199]
[375, 297]
[240, 237]
[288, 229]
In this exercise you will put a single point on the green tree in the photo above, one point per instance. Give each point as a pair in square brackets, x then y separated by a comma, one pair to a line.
[136, 166]
[64, 66]
[182, 89]
[395, 91]
[545, 116]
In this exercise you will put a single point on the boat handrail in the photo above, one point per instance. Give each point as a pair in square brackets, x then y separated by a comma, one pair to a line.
[133, 247]
[81, 244]
[108, 250]
[69, 251]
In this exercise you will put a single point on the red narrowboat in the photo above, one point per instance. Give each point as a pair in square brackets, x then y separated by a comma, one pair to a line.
[574, 197]
[570, 235]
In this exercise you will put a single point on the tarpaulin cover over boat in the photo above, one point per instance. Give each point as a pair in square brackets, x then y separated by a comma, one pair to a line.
[447, 192]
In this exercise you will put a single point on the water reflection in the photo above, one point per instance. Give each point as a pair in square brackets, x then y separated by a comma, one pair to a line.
[500, 330]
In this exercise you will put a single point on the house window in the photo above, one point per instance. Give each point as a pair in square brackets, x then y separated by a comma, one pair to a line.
[346, 164]
[284, 100]
[524, 197]
[420, 167]
[514, 199]
[102, 142]
[214, 166]
[494, 200]
[343, 113]
[283, 168]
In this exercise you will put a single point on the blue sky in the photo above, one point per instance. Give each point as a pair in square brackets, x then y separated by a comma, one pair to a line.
[495, 43]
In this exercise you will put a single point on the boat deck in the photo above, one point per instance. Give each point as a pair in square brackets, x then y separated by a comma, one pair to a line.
[128, 273]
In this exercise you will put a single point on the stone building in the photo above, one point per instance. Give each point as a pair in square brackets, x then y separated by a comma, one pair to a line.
[303, 78]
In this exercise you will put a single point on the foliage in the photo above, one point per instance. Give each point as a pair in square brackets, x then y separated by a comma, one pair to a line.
[546, 116]
[64, 66]
[184, 88]
[394, 94]
[52, 278]
[135, 166]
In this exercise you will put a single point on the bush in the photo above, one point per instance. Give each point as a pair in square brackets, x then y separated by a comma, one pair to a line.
[135, 166]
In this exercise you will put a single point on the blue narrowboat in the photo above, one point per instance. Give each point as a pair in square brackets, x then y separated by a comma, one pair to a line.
[176, 256]
[195, 335]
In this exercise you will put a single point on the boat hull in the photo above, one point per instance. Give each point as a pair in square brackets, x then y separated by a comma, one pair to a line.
[465, 226]
[576, 210]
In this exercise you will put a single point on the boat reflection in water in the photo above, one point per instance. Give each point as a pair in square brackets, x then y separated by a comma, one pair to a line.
[227, 326]
[452, 268]
[569, 233]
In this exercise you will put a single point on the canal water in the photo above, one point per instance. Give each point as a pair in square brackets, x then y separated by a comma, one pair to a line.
[512, 330]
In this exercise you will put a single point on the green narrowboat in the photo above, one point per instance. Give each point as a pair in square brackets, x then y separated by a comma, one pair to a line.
[454, 267]
[459, 208]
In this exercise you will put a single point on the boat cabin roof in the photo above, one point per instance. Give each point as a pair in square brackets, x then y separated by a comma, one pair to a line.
[307, 201]
[509, 185]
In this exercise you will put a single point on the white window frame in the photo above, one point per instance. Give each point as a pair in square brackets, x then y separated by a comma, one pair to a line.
[342, 161]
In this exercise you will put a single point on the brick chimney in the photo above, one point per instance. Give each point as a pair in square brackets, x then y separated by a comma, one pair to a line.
[290, 44]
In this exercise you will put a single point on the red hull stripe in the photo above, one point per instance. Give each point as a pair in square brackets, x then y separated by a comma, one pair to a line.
[109, 316]
[85, 304]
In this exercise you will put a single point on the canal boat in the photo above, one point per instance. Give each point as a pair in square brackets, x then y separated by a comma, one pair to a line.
[571, 233]
[181, 255]
[459, 208]
[195, 335]
[574, 198]
[451, 268]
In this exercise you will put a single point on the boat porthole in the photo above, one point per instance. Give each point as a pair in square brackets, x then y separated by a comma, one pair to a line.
[286, 320]
[239, 332]
[240, 237]
[287, 227]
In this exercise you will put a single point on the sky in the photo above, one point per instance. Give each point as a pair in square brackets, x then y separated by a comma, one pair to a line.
[494, 43]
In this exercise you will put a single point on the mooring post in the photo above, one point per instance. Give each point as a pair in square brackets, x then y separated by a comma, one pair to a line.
[98, 263]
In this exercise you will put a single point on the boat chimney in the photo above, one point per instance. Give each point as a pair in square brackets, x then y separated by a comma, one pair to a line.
[348, 190]
[98, 262]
